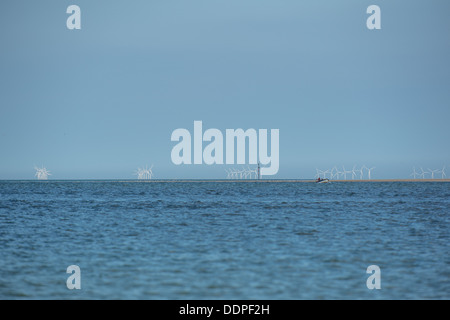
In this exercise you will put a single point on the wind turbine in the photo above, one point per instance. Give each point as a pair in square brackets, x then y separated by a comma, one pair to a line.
[38, 173]
[235, 174]
[42, 173]
[150, 172]
[423, 173]
[433, 172]
[249, 173]
[370, 171]
[244, 173]
[414, 174]
[144, 173]
[354, 172]
[337, 173]
[138, 172]
[443, 173]
[345, 172]
[361, 173]
[332, 172]
[255, 171]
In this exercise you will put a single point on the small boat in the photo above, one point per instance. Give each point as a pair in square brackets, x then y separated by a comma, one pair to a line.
[320, 180]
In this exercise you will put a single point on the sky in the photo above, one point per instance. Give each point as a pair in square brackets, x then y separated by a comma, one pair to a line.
[99, 102]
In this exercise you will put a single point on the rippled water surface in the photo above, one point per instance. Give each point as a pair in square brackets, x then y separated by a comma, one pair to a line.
[224, 240]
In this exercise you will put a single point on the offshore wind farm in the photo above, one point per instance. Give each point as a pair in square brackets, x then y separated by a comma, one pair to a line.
[250, 174]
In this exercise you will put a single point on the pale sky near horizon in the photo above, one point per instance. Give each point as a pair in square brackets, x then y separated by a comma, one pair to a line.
[99, 102]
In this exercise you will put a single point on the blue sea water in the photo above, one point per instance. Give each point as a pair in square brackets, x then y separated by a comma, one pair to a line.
[224, 240]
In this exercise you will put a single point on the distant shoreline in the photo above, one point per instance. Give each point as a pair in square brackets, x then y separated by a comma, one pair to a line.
[223, 180]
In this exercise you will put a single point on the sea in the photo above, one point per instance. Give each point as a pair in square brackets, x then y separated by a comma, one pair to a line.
[177, 240]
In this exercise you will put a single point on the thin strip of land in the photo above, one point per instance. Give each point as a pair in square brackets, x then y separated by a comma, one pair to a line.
[227, 180]
[287, 180]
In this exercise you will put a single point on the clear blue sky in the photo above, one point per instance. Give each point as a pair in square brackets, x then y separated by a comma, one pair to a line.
[101, 101]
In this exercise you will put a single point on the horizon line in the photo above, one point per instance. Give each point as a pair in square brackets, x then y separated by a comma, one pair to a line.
[231, 180]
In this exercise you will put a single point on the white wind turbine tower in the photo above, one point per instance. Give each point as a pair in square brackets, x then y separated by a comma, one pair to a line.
[254, 173]
[361, 173]
[42, 173]
[244, 173]
[332, 172]
[344, 172]
[423, 173]
[140, 173]
[369, 170]
[443, 173]
[236, 174]
[354, 172]
[338, 173]
[248, 173]
[414, 173]
[144, 173]
[433, 172]
[150, 172]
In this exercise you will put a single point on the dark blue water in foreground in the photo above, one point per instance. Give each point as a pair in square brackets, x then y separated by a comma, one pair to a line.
[224, 240]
